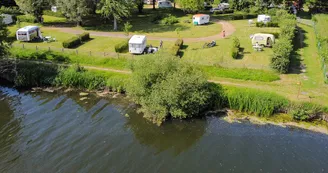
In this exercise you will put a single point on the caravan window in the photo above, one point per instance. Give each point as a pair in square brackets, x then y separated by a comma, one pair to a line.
[258, 38]
[22, 33]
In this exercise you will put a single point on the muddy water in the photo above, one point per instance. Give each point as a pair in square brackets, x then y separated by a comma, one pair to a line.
[46, 132]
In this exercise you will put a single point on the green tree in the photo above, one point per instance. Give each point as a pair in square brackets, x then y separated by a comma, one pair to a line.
[3, 39]
[166, 87]
[140, 5]
[34, 7]
[127, 28]
[74, 10]
[190, 6]
[116, 9]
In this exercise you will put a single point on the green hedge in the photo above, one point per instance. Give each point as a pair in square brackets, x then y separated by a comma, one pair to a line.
[224, 11]
[179, 43]
[51, 13]
[122, 47]
[236, 16]
[26, 18]
[72, 42]
[175, 50]
[268, 24]
[85, 36]
[76, 41]
[235, 47]
[256, 102]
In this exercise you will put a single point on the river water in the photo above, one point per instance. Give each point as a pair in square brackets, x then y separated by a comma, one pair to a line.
[46, 132]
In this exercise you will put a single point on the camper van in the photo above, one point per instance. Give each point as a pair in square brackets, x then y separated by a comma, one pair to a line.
[266, 40]
[200, 19]
[224, 6]
[263, 18]
[149, 2]
[137, 44]
[164, 4]
[7, 19]
[29, 33]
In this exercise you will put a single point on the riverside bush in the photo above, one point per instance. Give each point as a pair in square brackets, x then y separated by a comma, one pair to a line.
[122, 47]
[78, 77]
[254, 101]
[305, 111]
[166, 87]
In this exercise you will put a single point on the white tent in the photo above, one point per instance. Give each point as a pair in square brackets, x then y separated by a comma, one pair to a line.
[28, 33]
[137, 44]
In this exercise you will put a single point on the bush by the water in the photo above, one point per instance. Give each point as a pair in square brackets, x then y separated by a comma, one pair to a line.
[305, 111]
[166, 87]
[122, 47]
[253, 101]
[169, 20]
[76, 76]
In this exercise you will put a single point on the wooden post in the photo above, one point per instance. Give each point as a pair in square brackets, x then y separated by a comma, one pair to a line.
[48, 48]
[104, 53]
[23, 46]
[77, 52]
[90, 53]
[36, 47]
[62, 49]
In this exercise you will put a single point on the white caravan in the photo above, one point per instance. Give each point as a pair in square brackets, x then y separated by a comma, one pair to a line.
[263, 18]
[7, 19]
[28, 33]
[200, 19]
[164, 4]
[224, 6]
[137, 44]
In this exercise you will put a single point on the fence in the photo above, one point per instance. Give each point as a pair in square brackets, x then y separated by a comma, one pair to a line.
[322, 58]
[72, 51]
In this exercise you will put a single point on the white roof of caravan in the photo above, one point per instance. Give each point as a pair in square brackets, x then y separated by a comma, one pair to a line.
[28, 28]
[265, 35]
[137, 39]
[224, 3]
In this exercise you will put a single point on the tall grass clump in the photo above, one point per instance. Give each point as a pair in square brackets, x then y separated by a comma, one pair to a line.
[256, 102]
[78, 77]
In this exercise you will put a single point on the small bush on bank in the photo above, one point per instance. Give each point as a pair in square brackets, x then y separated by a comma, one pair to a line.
[116, 84]
[169, 20]
[78, 77]
[166, 87]
[305, 111]
[256, 102]
[122, 47]
[72, 42]
[26, 18]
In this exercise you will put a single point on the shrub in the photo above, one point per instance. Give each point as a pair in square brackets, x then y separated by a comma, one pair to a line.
[175, 50]
[305, 111]
[166, 87]
[78, 77]
[51, 13]
[26, 18]
[260, 24]
[122, 47]
[234, 52]
[156, 18]
[254, 101]
[235, 42]
[116, 84]
[84, 36]
[268, 24]
[281, 55]
[72, 42]
[179, 43]
[169, 20]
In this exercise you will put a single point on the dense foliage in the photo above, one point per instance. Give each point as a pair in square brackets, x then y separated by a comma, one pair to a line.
[122, 47]
[256, 102]
[305, 111]
[10, 10]
[33, 7]
[76, 40]
[169, 20]
[190, 6]
[26, 18]
[282, 50]
[74, 10]
[235, 47]
[3, 39]
[166, 87]
[117, 9]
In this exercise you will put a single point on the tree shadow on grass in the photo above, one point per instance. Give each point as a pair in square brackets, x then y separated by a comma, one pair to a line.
[296, 65]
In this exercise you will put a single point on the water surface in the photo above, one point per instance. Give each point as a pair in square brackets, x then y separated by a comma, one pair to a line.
[43, 132]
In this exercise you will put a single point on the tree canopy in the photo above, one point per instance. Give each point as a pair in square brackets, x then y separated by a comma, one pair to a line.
[116, 9]
[191, 5]
[34, 7]
[74, 10]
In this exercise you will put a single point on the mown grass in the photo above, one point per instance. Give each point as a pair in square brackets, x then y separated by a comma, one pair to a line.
[241, 73]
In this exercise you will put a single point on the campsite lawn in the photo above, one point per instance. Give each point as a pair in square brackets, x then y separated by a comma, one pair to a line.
[221, 54]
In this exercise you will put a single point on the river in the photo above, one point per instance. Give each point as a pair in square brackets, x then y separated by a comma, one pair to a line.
[56, 132]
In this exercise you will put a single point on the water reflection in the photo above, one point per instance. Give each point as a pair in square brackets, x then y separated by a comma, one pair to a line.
[174, 135]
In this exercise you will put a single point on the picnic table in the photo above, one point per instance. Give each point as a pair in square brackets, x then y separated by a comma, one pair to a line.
[258, 48]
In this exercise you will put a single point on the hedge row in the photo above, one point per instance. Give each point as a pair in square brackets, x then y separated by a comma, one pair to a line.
[26, 18]
[268, 24]
[122, 47]
[176, 47]
[224, 11]
[76, 40]
[51, 13]
[237, 16]
[282, 50]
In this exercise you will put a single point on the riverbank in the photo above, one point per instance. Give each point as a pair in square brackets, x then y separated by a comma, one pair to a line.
[282, 120]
